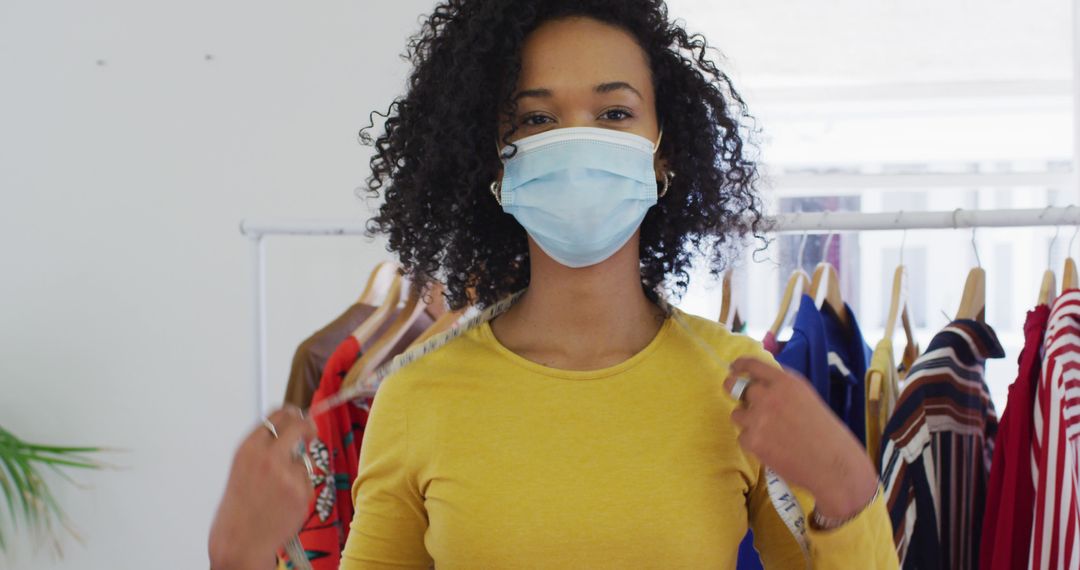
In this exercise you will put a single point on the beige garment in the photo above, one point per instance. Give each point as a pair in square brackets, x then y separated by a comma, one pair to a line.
[311, 356]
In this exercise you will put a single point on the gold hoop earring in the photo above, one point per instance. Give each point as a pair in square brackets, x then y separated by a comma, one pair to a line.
[667, 183]
[496, 191]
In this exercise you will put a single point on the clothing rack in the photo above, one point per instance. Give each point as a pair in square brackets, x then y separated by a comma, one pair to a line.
[816, 222]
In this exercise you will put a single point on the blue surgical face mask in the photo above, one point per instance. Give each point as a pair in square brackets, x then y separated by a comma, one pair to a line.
[580, 192]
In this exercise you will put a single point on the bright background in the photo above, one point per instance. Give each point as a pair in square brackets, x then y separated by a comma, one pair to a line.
[135, 136]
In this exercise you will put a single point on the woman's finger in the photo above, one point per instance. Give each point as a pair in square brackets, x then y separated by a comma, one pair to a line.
[291, 430]
[729, 383]
[741, 418]
[758, 370]
[293, 440]
[295, 425]
[750, 392]
[280, 419]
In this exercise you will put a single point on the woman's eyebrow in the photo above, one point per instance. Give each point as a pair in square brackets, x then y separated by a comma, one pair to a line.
[541, 93]
[601, 88]
[615, 86]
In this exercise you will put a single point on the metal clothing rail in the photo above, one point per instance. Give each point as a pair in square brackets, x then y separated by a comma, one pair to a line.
[817, 222]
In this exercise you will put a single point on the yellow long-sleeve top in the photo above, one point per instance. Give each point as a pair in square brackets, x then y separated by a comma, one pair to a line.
[475, 457]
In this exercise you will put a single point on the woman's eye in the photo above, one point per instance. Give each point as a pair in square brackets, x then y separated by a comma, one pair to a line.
[535, 120]
[616, 115]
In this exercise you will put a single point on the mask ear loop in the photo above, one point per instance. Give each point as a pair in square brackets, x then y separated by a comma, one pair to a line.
[496, 186]
[669, 175]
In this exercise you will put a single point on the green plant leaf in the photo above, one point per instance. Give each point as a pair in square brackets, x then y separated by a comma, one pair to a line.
[22, 489]
[27, 495]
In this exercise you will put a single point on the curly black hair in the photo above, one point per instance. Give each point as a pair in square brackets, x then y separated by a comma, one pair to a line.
[437, 156]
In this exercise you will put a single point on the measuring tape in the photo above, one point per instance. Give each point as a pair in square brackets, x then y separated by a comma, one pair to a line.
[780, 495]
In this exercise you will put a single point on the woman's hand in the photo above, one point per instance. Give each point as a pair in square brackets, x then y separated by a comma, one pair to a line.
[267, 496]
[786, 425]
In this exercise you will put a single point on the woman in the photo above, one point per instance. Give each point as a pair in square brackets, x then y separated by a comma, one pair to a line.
[578, 149]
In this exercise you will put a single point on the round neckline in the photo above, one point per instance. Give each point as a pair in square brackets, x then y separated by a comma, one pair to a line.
[488, 334]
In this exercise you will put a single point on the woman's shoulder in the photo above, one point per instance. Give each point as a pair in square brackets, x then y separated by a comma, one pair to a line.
[728, 345]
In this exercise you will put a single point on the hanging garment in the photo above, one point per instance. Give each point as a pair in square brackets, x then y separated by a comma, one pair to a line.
[879, 411]
[833, 357]
[1010, 498]
[475, 457]
[738, 325]
[312, 354]
[938, 445]
[848, 357]
[771, 344]
[805, 351]
[335, 454]
[1055, 533]
[749, 559]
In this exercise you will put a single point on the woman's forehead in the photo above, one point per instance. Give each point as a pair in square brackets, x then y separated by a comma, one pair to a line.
[577, 54]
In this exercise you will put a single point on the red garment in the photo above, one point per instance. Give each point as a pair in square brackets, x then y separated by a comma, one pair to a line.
[1055, 533]
[335, 454]
[1010, 497]
[771, 344]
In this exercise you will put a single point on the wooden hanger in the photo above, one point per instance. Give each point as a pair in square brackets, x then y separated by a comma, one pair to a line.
[1048, 288]
[381, 314]
[1068, 276]
[378, 283]
[377, 352]
[729, 314]
[797, 284]
[825, 286]
[898, 312]
[973, 300]
[825, 289]
[911, 350]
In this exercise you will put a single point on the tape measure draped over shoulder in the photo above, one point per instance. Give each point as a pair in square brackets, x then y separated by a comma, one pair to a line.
[780, 495]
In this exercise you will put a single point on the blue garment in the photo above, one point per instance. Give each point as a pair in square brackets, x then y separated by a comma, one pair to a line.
[748, 557]
[807, 354]
[848, 357]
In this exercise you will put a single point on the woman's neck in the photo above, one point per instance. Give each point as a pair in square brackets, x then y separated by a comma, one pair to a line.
[581, 319]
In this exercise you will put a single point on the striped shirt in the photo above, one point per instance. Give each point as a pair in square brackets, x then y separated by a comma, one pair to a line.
[1055, 534]
[935, 461]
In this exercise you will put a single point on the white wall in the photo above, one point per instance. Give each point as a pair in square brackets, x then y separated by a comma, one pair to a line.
[124, 298]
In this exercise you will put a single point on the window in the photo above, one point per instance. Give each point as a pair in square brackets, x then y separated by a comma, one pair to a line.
[904, 106]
